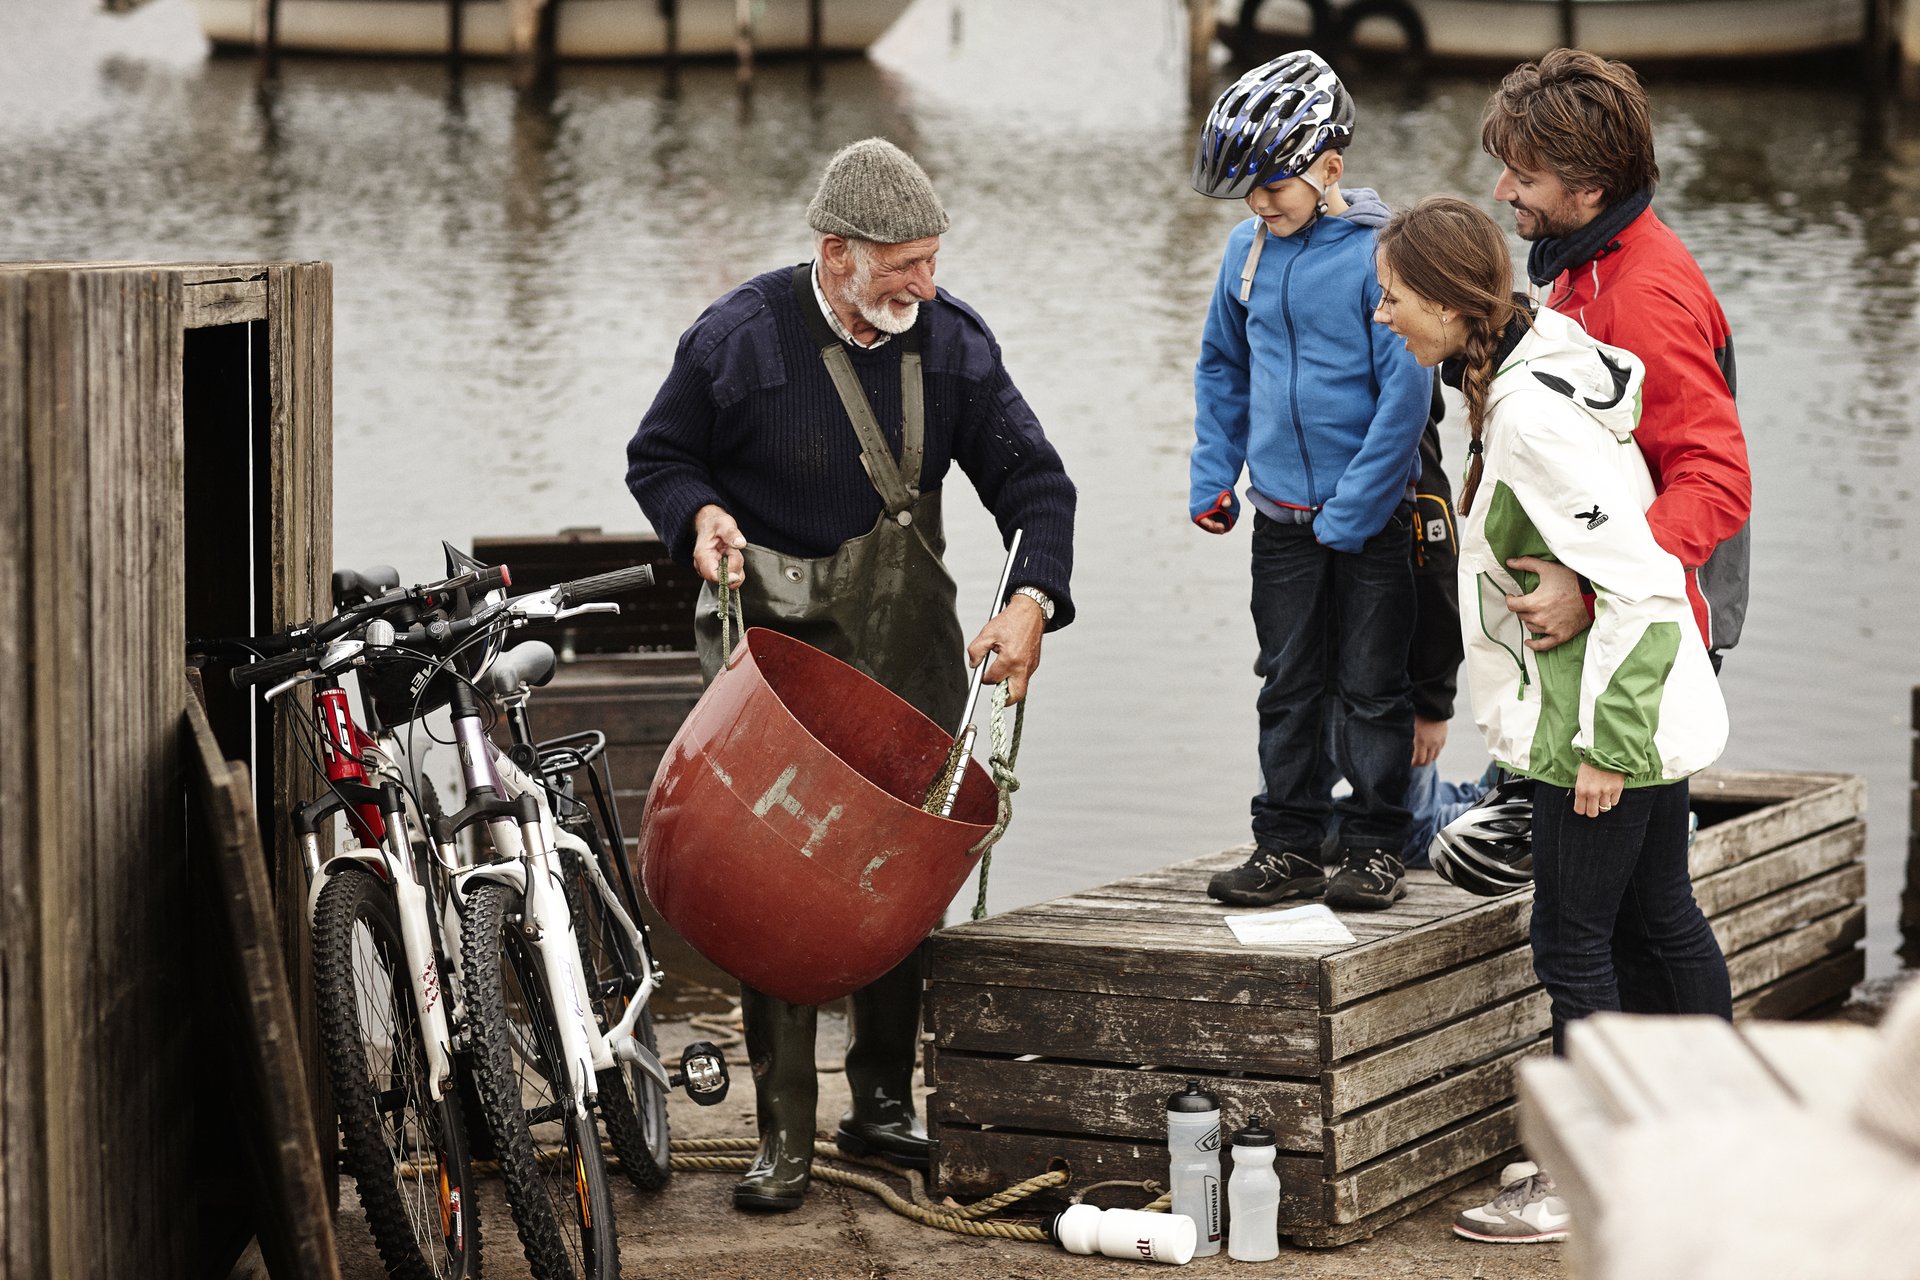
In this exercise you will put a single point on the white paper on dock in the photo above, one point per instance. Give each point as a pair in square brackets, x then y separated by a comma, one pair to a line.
[1296, 926]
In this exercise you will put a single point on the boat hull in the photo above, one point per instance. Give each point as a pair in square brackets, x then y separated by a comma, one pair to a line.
[1636, 30]
[588, 29]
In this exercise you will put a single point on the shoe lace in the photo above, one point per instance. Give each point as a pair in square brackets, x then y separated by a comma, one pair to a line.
[1518, 1195]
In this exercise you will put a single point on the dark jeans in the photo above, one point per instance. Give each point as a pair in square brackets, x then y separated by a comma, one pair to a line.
[1334, 628]
[1615, 925]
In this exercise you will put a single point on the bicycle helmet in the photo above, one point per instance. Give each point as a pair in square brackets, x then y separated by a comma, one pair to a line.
[1272, 124]
[1488, 850]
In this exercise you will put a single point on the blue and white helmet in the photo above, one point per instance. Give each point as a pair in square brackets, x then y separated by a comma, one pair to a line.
[1271, 125]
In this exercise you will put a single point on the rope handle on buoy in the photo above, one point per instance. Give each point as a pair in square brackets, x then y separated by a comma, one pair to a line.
[728, 604]
[1006, 750]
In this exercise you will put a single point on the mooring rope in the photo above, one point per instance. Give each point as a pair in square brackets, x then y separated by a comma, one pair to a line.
[1000, 764]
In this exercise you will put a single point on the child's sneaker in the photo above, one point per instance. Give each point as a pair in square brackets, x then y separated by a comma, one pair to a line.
[1267, 877]
[1368, 880]
[1525, 1212]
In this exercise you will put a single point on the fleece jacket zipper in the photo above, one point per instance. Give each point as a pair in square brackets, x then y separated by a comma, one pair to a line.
[1293, 368]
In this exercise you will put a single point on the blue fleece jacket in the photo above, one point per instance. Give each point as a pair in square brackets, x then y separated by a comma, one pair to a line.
[1323, 407]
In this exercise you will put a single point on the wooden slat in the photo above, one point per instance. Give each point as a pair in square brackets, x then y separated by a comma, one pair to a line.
[1368, 1078]
[1781, 955]
[1821, 1064]
[1110, 1102]
[1644, 1069]
[1824, 800]
[1391, 1180]
[1818, 987]
[1790, 908]
[1186, 1034]
[1566, 1129]
[985, 953]
[972, 1162]
[1361, 1136]
[225, 302]
[1775, 870]
[1426, 1002]
[1335, 1236]
[1493, 925]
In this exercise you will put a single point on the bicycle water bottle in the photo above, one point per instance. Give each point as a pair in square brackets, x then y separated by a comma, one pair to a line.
[1253, 1196]
[1124, 1233]
[1193, 1153]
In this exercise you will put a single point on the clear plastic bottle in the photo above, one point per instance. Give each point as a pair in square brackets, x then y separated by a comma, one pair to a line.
[1193, 1153]
[1124, 1233]
[1253, 1196]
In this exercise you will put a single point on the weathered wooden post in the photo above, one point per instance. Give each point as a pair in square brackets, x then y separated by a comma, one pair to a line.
[1910, 895]
[1908, 79]
[743, 40]
[1568, 34]
[532, 40]
[456, 35]
[1200, 31]
[266, 34]
[814, 37]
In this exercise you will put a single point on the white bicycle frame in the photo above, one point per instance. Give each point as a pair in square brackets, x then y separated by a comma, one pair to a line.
[529, 862]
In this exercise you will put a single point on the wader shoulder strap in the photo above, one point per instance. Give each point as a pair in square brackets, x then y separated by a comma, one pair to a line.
[888, 477]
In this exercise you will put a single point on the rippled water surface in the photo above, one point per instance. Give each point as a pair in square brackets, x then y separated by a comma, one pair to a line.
[510, 278]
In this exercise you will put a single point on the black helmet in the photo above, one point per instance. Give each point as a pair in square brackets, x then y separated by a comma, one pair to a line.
[1271, 125]
[1488, 850]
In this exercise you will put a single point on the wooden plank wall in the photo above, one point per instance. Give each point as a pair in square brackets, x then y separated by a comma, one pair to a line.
[300, 377]
[92, 876]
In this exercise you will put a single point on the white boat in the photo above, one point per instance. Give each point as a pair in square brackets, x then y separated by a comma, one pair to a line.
[1515, 30]
[588, 29]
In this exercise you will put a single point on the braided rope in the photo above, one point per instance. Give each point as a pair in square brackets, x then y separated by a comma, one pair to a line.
[1005, 751]
[728, 607]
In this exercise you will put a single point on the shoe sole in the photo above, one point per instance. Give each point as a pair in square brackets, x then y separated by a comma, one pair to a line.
[1545, 1237]
[754, 1202]
[1360, 900]
[1291, 889]
[848, 1144]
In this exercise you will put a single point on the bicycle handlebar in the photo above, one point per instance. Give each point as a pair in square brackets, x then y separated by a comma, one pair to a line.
[602, 585]
[274, 670]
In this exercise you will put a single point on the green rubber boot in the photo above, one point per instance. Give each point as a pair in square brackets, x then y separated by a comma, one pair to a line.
[785, 1092]
[881, 1056]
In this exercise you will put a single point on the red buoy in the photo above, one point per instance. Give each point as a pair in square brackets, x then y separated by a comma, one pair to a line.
[784, 836]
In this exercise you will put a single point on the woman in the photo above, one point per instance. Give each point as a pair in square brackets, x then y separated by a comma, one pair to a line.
[1611, 723]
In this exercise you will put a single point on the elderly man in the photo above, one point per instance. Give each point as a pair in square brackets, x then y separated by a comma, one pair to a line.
[802, 440]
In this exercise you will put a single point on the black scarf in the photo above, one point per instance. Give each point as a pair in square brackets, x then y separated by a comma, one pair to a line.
[1549, 257]
[1454, 368]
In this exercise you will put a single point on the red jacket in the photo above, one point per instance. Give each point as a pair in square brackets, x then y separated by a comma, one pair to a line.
[1645, 292]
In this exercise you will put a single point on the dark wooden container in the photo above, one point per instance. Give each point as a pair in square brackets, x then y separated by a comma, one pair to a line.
[1387, 1065]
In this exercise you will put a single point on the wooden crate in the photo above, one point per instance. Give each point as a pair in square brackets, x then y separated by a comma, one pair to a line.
[1058, 1030]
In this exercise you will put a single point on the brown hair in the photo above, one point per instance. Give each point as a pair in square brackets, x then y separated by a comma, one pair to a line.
[1451, 254]
[1583, 118]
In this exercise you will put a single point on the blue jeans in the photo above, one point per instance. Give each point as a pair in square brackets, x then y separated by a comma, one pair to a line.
[1334, 628]
[1615, 926]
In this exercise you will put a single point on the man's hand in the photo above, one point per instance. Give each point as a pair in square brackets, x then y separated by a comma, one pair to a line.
[1428, 737]
[1013, 636]
[1595, 790]
[714, 535]
[1554, 611]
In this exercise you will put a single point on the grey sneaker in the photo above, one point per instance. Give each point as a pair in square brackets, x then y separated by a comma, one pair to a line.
[1267, 877]
[1525, 1212]
[1368, 880]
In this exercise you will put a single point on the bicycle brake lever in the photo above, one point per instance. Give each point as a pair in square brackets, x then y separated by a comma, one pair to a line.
[602, 606]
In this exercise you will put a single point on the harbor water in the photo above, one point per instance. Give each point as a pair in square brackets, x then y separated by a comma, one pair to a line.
[511, 276]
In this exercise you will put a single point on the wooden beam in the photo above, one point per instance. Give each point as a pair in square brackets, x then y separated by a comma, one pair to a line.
[224, 302]
[743, 41]
[1201, 24]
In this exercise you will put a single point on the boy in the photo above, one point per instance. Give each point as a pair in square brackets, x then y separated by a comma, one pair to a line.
[1324, 410]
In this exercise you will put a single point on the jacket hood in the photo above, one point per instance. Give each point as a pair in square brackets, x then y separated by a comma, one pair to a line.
[1558, 355]
[1365, 207]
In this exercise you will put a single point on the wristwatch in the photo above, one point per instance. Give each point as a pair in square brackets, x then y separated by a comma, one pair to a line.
[1040, 598]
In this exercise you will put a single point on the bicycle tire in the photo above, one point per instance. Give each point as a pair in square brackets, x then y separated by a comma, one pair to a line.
[562, 1205]
[425, 1228]
[632, 1103]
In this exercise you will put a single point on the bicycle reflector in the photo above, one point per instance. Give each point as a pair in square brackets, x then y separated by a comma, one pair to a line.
[703, 1073]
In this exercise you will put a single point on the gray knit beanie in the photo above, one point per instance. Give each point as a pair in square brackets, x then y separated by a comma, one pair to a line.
[872, 190]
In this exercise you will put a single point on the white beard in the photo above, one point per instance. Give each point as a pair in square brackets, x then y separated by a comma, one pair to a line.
[879, 315]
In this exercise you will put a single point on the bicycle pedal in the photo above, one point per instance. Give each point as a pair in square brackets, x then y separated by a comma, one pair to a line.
[702, 1073]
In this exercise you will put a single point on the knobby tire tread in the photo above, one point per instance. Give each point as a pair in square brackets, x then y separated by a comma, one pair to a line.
[498, 1084]
[367, 1157]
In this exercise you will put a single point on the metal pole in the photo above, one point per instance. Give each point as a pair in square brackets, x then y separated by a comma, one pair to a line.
[743, 40]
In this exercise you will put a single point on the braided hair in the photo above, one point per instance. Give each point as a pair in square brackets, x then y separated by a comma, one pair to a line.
[1452, 255]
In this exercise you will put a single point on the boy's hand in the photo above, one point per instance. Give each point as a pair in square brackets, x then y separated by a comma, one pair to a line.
[1428, 737]
[1211, 525]
[1219, 517]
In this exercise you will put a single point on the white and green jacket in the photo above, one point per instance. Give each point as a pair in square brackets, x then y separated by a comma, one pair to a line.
[1563, 480]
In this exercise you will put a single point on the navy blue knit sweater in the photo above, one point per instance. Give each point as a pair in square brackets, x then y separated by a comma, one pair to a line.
[749, 420]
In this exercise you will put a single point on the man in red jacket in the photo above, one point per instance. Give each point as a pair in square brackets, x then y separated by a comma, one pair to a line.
[1575, 140]
[1574, 136]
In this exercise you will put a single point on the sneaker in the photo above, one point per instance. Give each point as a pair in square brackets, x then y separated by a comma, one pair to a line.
[1267, 877]
[1518, 1171]
[1368, 880]
[1526, 1212]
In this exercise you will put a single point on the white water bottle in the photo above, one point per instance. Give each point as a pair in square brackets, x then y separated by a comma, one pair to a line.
[1124, 1233]
[1193, 1153]
[1253, 1196]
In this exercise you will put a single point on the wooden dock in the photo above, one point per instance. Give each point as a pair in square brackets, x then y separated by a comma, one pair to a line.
[1388, 1065]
